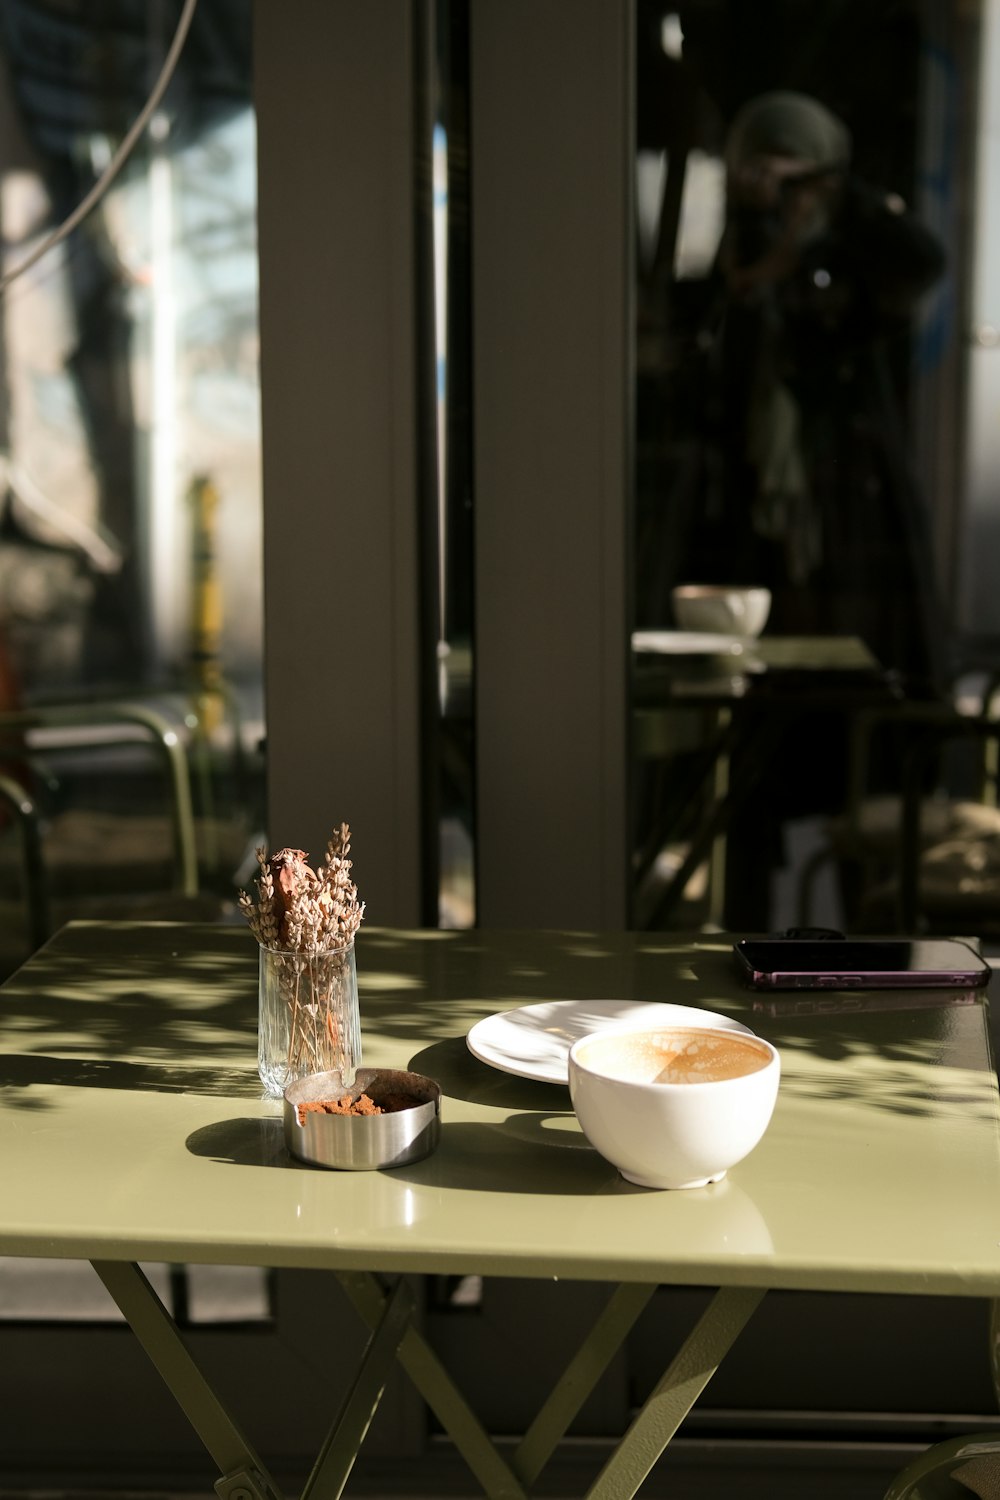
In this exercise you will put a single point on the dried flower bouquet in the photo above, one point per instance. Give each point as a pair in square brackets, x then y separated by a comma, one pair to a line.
[305, 921]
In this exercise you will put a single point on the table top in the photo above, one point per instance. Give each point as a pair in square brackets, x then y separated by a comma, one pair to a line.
[132, 1126]
[777, 664]
[820, 653]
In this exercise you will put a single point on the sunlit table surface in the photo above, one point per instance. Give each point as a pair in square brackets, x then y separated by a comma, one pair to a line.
[132, 1126]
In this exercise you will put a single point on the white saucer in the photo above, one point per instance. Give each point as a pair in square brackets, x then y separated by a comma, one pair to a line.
[534, 1042]
[689, 643]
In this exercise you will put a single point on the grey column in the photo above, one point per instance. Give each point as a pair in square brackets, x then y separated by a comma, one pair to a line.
[552, 165]
[335, 121]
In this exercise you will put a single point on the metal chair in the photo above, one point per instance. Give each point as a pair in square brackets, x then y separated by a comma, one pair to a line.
[70, 727]
[906, 848]
[953, 1470]
[958, 1467]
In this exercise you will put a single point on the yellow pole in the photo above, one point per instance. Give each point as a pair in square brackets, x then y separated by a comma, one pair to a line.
[206, 608]
[207, 701]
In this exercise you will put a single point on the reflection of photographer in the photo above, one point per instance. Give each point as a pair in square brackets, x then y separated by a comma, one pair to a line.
[786, 386]
[789, 188]
[776, 205]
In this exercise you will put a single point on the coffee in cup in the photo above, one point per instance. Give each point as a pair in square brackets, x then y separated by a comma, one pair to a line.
[681, 1054]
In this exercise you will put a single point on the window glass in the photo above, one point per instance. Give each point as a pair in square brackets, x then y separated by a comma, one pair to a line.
[814, 238]
[446, 442]
[130, 507]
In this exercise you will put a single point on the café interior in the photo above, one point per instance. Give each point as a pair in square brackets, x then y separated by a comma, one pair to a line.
[360, 443]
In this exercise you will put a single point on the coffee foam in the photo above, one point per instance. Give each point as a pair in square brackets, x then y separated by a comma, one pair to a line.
[676, 1054]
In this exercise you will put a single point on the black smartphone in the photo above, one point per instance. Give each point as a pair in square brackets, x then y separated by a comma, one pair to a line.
[860, 963]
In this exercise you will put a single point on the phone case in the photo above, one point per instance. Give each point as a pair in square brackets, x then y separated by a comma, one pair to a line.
[772, 965]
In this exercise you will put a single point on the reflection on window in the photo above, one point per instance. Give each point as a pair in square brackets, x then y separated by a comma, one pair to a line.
[69, 1291]
[130, 507]
[445, 440]
[813, 418]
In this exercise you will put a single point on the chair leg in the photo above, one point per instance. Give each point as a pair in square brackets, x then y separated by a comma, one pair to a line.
[35, 885]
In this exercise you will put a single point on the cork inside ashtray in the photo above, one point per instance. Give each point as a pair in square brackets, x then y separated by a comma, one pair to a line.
[379, 1098]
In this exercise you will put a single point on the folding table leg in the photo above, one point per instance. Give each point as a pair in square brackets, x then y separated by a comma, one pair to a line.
[440, 1392]
[578, 1379]
[678, 1389]
[330, 1473]
[244, 1476]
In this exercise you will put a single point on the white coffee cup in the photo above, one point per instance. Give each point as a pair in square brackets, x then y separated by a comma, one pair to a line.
[721, 608]
[673, 1106]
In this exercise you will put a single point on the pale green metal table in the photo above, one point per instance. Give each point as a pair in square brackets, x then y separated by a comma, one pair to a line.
[132, 1129]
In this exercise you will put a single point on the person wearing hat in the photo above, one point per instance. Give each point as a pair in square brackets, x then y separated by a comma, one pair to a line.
[785, 385]
[792, 470]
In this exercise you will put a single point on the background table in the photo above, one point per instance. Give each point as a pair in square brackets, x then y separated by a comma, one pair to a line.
[706, 732]
[132, 1129]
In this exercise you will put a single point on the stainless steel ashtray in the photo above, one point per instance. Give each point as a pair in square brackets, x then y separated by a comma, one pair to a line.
[363, 1143]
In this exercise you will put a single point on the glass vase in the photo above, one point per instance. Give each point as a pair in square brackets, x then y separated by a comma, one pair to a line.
[308, 1018]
